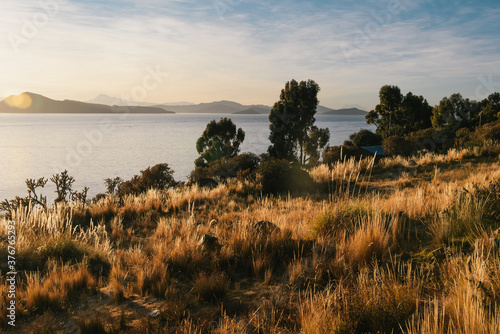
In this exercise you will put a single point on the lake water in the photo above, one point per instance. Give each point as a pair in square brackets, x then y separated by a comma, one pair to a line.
[95, 147]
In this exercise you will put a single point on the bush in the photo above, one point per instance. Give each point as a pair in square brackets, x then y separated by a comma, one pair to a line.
[364, 138]
[223, 169]
[159, 176]
[280, 175]
[396, 145]
[332, 154]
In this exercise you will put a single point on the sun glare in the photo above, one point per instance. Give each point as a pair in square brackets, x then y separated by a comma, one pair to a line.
[21, 101]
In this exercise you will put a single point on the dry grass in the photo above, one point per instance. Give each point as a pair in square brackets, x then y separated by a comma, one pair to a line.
[398, 246]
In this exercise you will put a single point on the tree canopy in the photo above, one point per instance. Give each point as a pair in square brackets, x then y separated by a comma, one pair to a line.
[293, 134]
[219, 140]
[397, 114]
[455, 112]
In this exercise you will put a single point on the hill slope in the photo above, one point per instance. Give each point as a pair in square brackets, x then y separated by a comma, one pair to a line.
[30, 103]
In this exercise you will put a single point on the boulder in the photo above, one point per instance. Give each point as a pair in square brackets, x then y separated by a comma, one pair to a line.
[210, 242]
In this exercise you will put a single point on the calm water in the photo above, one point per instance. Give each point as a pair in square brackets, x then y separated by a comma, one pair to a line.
[95, 147]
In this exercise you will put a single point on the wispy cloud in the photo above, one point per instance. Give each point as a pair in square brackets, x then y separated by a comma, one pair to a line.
[91, 47]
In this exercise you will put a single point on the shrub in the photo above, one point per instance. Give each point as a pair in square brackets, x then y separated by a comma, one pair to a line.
[223, 169]
[332, 154]
[212, 287]
[342, 219]
[159, 176]
[364, 138]
[397, 145]
[279, 175]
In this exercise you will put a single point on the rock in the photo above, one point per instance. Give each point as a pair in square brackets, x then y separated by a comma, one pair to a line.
[154, 314]
[209, 242]
[263, 227]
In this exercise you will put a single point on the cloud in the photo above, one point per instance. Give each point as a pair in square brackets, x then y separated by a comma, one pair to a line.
[248, 53]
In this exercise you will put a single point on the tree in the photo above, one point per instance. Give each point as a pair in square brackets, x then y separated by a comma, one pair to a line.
[63, 184]
[112, 184]
[455, 112]
[219, 140]
[293, 134]
[397, 115]
[416, 113]
[491, 109]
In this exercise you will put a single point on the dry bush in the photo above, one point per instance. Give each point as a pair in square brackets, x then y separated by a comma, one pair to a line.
[118, 283]
[57, 288]
[369, 241]
[379, 300]
[211, 287]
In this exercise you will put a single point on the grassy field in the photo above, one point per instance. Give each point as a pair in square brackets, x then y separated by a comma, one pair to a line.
[398, 245]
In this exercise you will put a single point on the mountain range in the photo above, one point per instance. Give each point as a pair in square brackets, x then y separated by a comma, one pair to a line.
[223, 107]
[30, 103]
[35, 103]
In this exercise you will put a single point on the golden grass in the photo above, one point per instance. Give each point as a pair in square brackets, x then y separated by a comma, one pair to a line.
[383, 250]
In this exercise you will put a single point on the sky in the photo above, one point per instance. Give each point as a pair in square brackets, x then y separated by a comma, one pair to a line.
[161, 51]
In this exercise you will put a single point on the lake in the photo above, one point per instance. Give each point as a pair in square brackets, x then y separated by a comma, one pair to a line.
[95, 147]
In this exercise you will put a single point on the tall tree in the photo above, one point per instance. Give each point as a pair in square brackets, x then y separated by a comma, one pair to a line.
[491, 108]
[397, 114]
[455, 112]
[293, 134]
[219, 140]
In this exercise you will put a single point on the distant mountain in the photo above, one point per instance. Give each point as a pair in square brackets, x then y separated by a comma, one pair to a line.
[218, 107]
[349, 106]
[113, 101]
[35, 103]
[250, 111]
[341, 112]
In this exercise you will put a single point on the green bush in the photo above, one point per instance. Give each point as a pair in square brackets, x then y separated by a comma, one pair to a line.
[364, 138]
[223, 169]
[281, 176]
[159, 176]
[396, 145]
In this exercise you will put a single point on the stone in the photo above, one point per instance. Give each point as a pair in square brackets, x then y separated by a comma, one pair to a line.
[208, 241]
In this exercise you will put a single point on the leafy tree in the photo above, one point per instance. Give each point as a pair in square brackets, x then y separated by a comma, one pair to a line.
[112, 184]
[293, 134]
[318, 139]
[455, 112]
[491, 109]
[397, 115]
[416, 112]
[219, 140]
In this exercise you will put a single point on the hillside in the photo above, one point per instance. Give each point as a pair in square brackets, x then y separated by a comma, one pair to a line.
[375, 247]
[30, 103]
[341, 112]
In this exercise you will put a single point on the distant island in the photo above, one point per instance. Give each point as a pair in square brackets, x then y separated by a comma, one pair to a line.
[31, 103]
[224, 107]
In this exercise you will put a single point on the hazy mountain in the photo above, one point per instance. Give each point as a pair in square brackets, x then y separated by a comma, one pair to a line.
[35, 103]
[113, 101]
[219, 107]
[341, 112]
